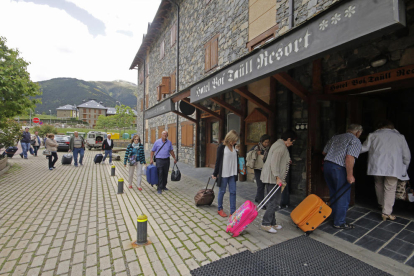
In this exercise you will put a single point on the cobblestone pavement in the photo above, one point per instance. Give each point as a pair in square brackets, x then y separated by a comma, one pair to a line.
[71, 221]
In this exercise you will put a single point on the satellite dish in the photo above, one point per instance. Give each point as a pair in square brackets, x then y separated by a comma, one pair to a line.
[186, 108]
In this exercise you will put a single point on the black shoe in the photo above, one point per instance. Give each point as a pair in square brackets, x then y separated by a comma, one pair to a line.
[21, 155]
[165, 189]
[264, 207]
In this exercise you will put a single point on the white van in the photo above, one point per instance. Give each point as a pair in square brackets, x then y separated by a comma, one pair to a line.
[94, 139]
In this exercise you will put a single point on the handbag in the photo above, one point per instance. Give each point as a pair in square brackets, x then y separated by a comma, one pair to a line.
[133, 160]
[47, 152]
[242, 166]
[153, 158]
[175, 174]
[401, 191]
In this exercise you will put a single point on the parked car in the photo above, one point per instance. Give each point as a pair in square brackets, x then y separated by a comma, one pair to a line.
[94, 139]
[63, 142]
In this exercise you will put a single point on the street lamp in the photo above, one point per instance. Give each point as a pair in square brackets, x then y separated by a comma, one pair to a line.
[50, 118]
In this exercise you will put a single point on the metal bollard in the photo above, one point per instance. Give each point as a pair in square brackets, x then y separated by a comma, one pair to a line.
[120, 186]
[113, 170]
[142, 221]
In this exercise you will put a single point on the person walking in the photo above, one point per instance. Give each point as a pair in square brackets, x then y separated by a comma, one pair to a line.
[107, 146]
[37, 143]
[77, 146]
[274, 171]
[163, 148]
[25, 143]
[388, 159]
[135, 150]
[51, 145]
[226, 172]
[257, 157]
[338, 169]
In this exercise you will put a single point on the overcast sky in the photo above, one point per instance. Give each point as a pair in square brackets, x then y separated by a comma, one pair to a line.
[84, 39]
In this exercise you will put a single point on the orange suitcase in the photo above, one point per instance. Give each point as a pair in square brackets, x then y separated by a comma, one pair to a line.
[310, 213]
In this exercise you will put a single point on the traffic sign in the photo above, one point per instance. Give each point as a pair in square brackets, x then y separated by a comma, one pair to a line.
[41, 123]
[36, 120]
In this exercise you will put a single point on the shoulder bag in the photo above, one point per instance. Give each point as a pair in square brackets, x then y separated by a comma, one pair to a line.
[159, 151]
[47, 152]
[132, 158]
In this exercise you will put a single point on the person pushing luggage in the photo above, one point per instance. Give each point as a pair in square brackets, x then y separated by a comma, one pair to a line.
[77, 146]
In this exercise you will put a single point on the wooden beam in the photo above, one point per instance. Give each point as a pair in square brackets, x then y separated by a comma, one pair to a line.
[227, 106]
[180, 96]
[197, 140]
[317, 87]
[242, 149]
[242, 91]
[185, 116]
[203, 108]
[292, 85]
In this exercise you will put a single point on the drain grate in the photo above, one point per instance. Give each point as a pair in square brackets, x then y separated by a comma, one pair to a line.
[298, 256]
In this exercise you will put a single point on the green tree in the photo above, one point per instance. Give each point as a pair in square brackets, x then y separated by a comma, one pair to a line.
[9, 134]
[105, 122]
[45, 129]
[17, 91]
[124, 116]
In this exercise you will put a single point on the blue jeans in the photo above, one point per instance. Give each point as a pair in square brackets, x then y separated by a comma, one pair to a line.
[36, 149]
[108, 152]
[335, 177]
[232, 189]
[77, 151]
[25, 148]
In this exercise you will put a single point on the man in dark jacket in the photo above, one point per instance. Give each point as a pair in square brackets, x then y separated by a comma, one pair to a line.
[77, 145]
[25, 142]
[107, 145]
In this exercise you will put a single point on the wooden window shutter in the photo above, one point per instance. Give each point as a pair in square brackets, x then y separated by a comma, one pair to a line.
[173, 34]
[214, 52]
[173, 84]
[190, 135]
[146, 136]
[160, 130]
[207, 59]
[159, 93]
[152, 135]
[142, 104]
[162, 50]
[146, 101]
[183, 135]
[166, 85]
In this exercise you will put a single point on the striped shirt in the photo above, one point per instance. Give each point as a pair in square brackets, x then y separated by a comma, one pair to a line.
[340, 146]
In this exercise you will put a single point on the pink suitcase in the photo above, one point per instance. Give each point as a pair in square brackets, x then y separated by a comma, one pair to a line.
[247, 213]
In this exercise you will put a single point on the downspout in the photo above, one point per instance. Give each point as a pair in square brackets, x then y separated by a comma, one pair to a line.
[291, 13]
[143, 108]
[177, 71]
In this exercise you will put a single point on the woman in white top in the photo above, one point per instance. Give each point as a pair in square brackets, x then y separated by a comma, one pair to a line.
[226, 171]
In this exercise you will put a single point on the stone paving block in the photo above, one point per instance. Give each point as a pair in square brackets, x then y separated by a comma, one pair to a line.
[91, 260]
[50, 264]
[68, 245]
[183, 269]
[46, 241]
[231, 249]
[235, 243]
[172, 271]
[190, 245]
[187, 230]
[20, 270]
[199, 256]
[130, 255]
[77, 258]
[25, 258]
[192, 264]
[42, 250]
[92, 271]
[218, 249]
[37, 238]
[34, 271]
[63, 267]
[37, 261]
[53, 253]
[194, 237]
[176, 243]
[143, 260]
[182, 236]
[184, 253]
[153, 256]
[147, 269]
[22, 244]
[203, 247]
[134, 268]
[15, 254]
[114, 243]
[91, 249]
[57, 242]
[77, 270]
[105, 263]
[140, 251]
[30, 248]
[211, 233]
[8, 266]
[119, 265]
[116, 253]
[125, 236]
[157, 266]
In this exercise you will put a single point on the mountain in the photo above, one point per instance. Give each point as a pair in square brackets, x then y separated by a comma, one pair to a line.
[62, 91]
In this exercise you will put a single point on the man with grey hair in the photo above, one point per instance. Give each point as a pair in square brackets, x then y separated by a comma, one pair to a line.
[77, 146]
[340, 153]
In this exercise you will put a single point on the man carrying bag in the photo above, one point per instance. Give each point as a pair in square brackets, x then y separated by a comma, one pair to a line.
[163, 148]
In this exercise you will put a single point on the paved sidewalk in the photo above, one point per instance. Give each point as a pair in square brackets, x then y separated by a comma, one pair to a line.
[70, 221]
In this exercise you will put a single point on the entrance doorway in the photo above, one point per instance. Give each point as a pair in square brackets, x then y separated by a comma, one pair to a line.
[212, 140]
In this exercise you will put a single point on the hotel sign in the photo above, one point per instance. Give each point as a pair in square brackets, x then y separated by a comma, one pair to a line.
[161, 108]
[348, 22]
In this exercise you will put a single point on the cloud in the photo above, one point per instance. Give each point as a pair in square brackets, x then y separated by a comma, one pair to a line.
[127, 33]
[95, 26]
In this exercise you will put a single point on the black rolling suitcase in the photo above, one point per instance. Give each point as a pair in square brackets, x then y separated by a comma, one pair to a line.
[98, 158]
[10, 151]
[67, 159]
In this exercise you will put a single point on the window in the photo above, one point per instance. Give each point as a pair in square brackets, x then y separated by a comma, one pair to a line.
[215, 132]
[166, 85]
[187, 134]
[172, 133]
[100, 111]
[262, 38]
[173, 84]
[211, 54]
[173, 34]
[160, 130]
[162, 52]
[152, 135]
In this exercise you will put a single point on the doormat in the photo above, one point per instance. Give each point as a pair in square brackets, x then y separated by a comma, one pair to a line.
[298, 256]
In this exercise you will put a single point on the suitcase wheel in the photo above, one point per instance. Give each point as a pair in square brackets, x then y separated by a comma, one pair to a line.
[307, 234]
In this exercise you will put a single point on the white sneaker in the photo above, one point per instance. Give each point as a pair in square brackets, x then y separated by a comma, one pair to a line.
[269, 229]
[277, 227]
[111, 164]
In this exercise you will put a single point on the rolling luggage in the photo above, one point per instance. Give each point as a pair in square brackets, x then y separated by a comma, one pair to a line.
[10, 151]
[205, 196]
[312, 211]
[98, 158]
[247, 213]
[67, 159]
[152, 175]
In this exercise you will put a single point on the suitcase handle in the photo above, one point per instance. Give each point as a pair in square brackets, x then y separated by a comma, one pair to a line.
[268, 196]
[349, 187]
[208, 183]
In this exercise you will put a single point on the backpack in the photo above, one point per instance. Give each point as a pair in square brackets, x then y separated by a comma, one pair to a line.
[251, 159]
